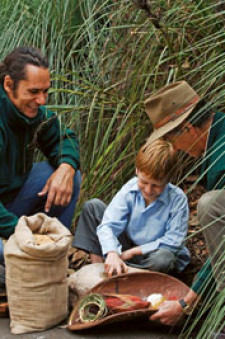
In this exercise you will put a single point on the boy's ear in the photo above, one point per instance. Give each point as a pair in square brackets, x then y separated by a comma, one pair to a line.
[136, 171]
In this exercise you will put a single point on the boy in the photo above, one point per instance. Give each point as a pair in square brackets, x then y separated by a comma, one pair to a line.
[145, 224]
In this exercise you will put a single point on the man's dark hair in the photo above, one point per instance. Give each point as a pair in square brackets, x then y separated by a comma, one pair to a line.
[15, 63]
[200, 114]
[198, 117]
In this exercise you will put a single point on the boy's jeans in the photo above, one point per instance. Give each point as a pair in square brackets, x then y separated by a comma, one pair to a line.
[27, 202]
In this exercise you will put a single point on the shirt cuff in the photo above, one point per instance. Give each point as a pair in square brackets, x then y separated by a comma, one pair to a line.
[109, 247]
[69, 162]
[150, 247]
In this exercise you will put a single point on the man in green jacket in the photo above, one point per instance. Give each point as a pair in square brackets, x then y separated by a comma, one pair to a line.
[51, 186]
[178, 115]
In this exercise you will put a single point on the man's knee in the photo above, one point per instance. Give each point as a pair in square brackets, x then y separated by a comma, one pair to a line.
[38, 177]
[77, 183]
[206, 204]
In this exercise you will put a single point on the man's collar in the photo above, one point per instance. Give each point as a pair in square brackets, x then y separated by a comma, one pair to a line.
[14, 117]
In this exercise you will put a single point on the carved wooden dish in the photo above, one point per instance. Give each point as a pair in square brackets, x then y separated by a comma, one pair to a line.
[140, 284]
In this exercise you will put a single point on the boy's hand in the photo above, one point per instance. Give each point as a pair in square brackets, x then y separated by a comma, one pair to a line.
[114, 264]
[129, 254]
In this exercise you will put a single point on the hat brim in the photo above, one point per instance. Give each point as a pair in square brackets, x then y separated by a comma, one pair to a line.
[160, 132]
[140, 284]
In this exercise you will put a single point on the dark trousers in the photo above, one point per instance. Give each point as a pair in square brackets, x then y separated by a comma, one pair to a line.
[27, 202]
[211, 215]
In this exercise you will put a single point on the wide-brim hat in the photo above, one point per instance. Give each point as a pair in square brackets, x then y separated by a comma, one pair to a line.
[140, 284]
[169, 107]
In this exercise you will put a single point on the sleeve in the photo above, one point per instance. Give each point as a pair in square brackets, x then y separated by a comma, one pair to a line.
[215, 170]
[114, 222]
[58, 143]
[8, 222]
[204, 278]
[213, 164]
[176, 228]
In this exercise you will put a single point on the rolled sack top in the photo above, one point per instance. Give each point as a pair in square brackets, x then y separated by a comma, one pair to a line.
[40, 224]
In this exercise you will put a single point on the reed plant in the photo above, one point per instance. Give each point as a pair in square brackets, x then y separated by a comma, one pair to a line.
[107, 57]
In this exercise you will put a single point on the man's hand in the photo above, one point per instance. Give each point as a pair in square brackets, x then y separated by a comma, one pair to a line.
[59, 187]
[169, 313]
[129, 254]
[114, 264]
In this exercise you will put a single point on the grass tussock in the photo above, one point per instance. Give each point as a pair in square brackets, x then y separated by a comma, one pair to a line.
[106, 58]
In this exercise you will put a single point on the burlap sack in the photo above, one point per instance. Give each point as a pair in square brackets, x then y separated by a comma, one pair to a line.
[36, 274]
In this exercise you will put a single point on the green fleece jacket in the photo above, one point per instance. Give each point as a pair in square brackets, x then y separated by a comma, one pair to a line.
[213, 177]
[19, 137]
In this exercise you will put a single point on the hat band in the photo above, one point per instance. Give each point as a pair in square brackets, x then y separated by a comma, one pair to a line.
[178, 113]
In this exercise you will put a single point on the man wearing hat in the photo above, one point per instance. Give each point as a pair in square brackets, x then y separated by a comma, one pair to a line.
[178, 115]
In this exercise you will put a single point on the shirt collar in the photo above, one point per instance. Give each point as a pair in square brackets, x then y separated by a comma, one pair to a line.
[14, 117]
[164, 196]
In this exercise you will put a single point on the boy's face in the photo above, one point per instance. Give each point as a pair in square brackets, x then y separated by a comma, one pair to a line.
[150, 188]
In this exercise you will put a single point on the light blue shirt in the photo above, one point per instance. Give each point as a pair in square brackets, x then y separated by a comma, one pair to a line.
[162, 224]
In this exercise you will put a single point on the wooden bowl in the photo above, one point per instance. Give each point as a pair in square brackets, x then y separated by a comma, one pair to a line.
[140, 284]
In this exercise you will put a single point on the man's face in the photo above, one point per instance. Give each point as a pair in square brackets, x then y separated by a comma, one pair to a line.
[150, 188]
[31, 92]
[188, 139]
